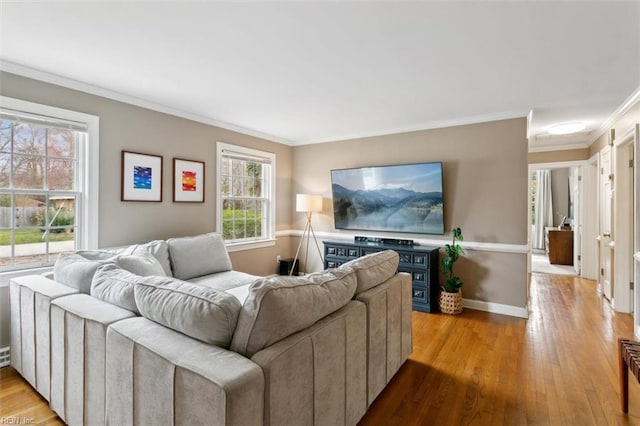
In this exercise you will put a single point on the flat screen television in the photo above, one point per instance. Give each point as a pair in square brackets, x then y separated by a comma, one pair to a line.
[403, 198]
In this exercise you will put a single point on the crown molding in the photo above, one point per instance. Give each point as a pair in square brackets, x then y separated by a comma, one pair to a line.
[478, 119]
[567, 147]
[628, 103]
[81, 86]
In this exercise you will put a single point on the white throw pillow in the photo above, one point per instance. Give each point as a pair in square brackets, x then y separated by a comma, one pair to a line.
[279, 306]
[159, 249]
[140, 263]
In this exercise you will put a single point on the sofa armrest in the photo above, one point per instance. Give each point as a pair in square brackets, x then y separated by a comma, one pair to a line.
[30, 298]
[79, 326]
[389, 330]
[318, 375]
[155, 375]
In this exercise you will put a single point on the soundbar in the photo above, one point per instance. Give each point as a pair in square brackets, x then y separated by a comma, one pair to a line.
[383, 241]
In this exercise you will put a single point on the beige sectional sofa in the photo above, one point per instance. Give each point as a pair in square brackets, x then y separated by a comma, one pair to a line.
[167, 333]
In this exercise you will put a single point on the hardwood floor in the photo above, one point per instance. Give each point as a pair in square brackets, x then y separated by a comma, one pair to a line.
[557, 367]
[20, 404]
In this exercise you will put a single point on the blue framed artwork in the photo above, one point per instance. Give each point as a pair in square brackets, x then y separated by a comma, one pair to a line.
[141, 177]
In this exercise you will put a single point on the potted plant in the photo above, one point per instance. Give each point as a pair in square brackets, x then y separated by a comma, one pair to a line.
[451, 295]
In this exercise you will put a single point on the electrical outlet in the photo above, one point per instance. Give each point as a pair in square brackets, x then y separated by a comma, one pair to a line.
[278, 259]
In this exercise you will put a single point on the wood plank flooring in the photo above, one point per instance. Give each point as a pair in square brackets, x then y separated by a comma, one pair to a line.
[559, 367]
[20, 404]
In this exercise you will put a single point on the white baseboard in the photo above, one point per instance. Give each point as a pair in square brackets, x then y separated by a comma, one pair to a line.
[496, 308]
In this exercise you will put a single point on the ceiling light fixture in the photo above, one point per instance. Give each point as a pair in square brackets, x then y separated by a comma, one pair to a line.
[567, 128]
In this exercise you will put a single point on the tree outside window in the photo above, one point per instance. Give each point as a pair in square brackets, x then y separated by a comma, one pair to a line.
[38, 198]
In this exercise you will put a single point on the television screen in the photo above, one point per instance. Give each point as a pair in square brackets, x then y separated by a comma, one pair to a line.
[404, 198]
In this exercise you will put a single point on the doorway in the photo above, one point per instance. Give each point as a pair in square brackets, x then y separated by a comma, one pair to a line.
[556, 217]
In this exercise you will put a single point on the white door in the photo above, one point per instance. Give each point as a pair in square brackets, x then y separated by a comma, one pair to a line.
[589, 228]
[606, 197]
[576, 214]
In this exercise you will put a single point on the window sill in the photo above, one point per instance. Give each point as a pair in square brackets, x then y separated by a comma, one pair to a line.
[250, 245]
[7, 275]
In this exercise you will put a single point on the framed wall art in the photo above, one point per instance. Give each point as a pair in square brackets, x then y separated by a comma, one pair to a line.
[141, 177]
[188, 181]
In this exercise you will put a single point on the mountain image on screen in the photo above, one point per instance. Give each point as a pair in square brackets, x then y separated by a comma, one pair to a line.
[405, 198]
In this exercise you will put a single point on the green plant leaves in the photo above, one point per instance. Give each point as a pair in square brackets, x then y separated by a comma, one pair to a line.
[452, 285]
[452, 252]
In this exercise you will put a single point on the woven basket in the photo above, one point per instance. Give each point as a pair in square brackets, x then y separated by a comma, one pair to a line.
[451, 303]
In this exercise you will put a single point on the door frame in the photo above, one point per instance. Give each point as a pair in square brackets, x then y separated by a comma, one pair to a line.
[627, 245]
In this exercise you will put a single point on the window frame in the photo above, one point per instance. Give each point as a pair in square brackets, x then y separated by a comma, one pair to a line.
[269, 239]
[87, 173]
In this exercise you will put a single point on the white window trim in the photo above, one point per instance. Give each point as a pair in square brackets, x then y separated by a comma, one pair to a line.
[270, 239]
[89, 174]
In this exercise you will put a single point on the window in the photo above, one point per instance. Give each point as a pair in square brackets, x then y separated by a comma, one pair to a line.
[45, 208]
[246, 188]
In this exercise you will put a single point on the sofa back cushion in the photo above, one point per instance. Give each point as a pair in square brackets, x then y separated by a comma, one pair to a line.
[115, 285]
[159, 249]
[373, 269]
[77, 269]
[279, 306]
[140, 263]
[202, 313]
[197, 256]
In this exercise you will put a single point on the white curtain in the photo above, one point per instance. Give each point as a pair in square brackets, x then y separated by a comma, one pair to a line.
[543, 207]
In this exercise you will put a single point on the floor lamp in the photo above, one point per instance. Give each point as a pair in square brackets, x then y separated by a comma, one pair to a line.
[308, 204]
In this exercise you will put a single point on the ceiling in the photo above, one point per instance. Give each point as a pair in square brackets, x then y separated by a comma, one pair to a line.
[303, 72]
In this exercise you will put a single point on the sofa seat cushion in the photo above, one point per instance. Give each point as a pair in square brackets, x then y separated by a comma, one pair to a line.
[198, 256]
[373, 269]
[241, 293]
[77, 269]
[114, 285]
[279, 306]
[225, 280]
[200, 312]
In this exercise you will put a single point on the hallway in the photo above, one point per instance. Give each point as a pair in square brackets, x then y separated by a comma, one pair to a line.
[540, 263]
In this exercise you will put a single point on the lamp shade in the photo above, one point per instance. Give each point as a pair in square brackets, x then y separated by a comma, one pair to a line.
[308, 203]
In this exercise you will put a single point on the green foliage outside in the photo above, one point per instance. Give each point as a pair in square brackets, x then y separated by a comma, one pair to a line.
[64, 218]
[452, 252]
[26, 236]
[239, 224]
